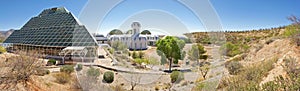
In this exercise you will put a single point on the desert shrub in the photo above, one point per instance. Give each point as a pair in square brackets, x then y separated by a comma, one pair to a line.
[234, 48]
[257, 72]
[291, 30]
[134, 55]
[230, 49]
[271, 86]
[79, 67]
[205, 40]
[19, 70]
[292, 82]
[42, 72]
[205, 86]
[92, 72]
[140, 61]
[199, 87]
[111, 50]
[233, 67]
[297, 39]
[2, 49]
[176, 76]
[141, 54]
[292, 66]
[62, 78]
[108, 77]
[52, 62]
[280, 84]
[248, 78]
[67, 69]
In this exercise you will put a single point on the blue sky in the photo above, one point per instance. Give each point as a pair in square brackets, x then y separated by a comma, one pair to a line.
[233, 14]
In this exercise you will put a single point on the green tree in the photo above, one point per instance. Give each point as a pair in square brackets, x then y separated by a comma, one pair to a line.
[146, 32]
[129, 32]
[115, 32]
[171, 48]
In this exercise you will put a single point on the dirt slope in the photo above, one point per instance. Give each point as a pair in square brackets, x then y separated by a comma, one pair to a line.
[279, 49]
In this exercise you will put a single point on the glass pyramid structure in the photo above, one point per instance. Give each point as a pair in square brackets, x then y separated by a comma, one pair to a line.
[51, 31]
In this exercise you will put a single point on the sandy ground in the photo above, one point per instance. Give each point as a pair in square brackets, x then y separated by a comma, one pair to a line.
[147, 81]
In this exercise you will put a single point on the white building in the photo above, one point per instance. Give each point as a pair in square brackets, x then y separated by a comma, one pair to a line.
[100, 39]
[135, 41]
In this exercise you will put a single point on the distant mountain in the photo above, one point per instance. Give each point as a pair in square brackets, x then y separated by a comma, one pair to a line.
[5, 34]
[9, 32]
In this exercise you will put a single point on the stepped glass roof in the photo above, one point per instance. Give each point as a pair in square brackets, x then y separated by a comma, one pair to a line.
[55, 27]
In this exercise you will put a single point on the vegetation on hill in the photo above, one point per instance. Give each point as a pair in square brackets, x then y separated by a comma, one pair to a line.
[235, 37]
[234, 67]
[230, 49]
[293, 31]
[258, 76]
[289, 83]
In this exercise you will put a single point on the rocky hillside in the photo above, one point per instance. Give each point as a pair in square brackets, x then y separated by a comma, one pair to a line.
[5, 34]
[271, 62]
[266, 59]
[237, 36]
